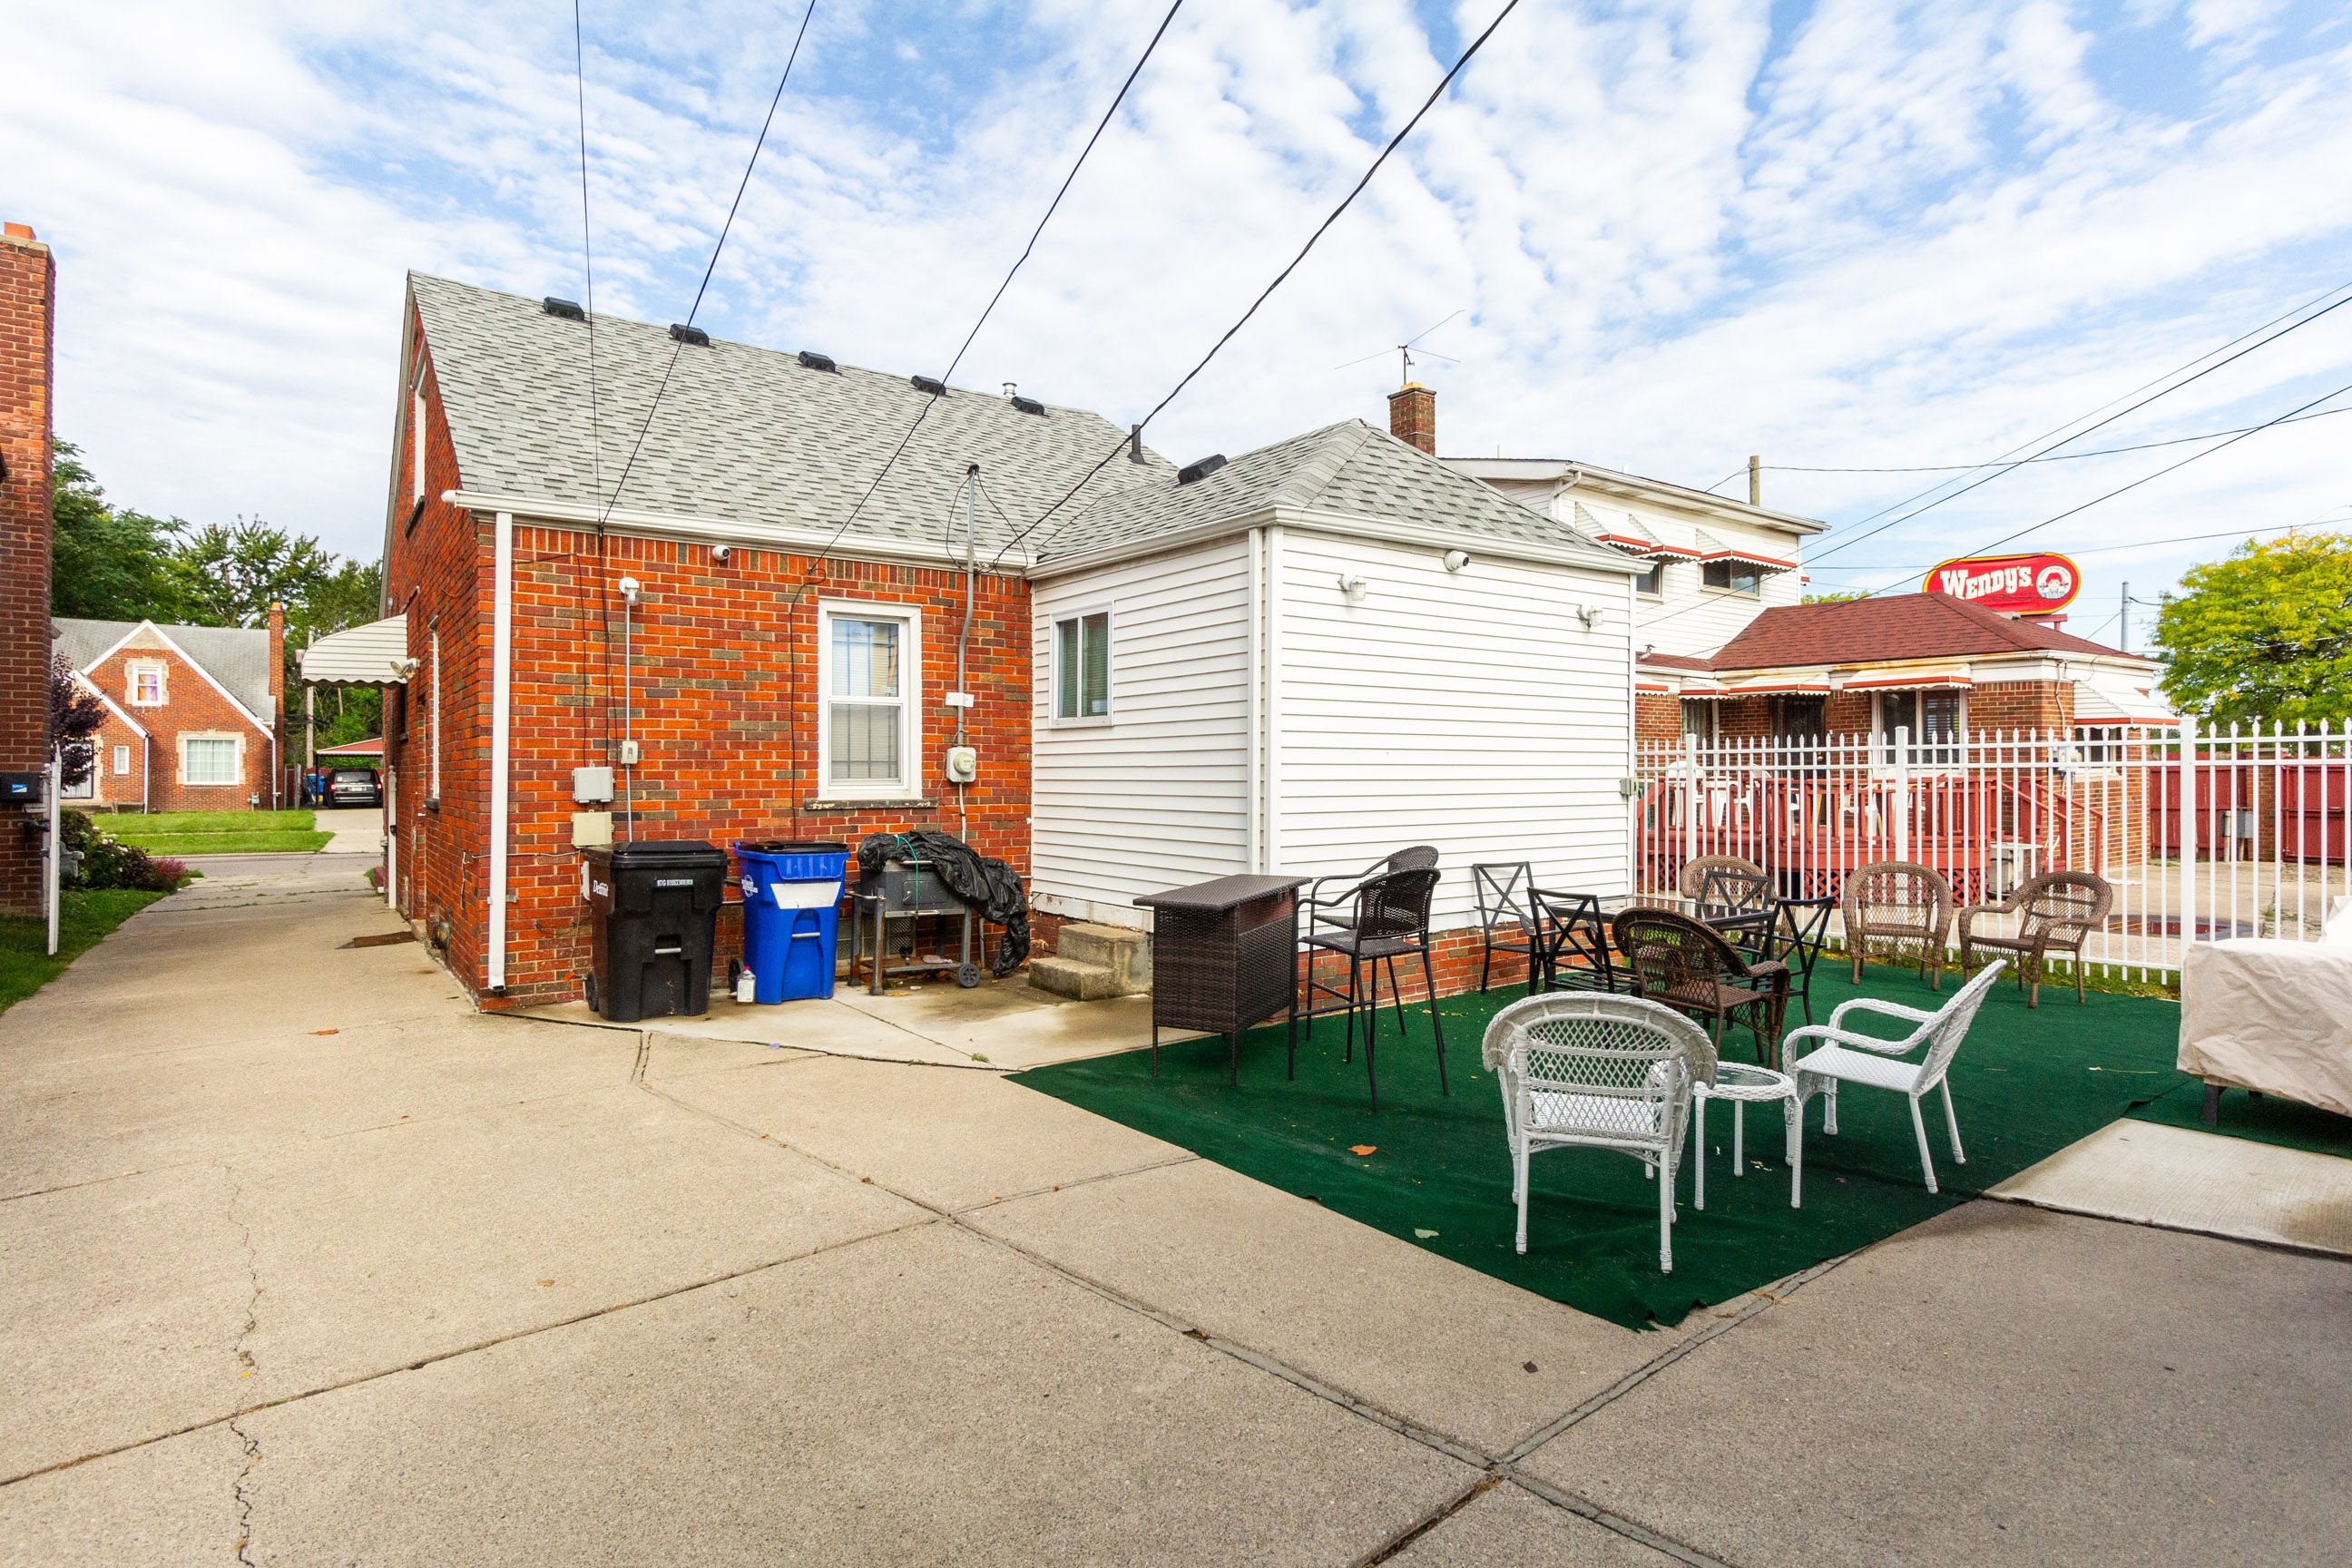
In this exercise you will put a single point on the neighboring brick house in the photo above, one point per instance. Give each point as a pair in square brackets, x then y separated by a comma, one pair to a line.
[786, 664]
[192, 713]
[1934, 664]
[27, 388]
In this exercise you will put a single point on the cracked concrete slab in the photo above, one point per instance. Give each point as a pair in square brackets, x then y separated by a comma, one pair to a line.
[961, 1406]
[170, 1503]
[1400, 1328]
[951, 1138]
[120, 1309]
[1509, 1525]
[2002, 1385]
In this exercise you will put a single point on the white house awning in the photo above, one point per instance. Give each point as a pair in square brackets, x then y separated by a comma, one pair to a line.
[2107, 699]
[373, 654]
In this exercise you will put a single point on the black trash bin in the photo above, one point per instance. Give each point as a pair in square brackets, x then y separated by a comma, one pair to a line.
[653, 916]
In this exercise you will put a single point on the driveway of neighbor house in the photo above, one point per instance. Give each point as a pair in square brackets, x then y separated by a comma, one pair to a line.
[304, 1262]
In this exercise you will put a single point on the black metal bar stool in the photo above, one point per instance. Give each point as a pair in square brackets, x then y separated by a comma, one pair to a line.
[1390, 920]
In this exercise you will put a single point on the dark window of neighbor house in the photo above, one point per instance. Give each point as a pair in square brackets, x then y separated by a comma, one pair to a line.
[1699, 720]
[1082, 666]
[1652, 583]
[1733, 576]
[1934, 717]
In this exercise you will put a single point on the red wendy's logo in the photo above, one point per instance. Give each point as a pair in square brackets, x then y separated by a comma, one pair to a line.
[2025, 584]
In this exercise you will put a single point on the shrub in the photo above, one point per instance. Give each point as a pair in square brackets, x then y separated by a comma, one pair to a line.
[108, 862]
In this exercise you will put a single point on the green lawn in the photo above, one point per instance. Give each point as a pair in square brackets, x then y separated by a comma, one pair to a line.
[184, 832]
[83, 919]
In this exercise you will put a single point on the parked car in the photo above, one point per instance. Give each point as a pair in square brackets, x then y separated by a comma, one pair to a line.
[354, 786]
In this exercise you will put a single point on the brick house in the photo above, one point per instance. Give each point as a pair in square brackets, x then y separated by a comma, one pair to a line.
[1302, 659]
[194, 714]
[27, 389]
[1937, 666]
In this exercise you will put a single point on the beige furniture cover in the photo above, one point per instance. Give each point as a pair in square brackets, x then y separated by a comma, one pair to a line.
[2275, 1016]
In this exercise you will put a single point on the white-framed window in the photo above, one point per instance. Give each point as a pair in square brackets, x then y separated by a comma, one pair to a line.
[1936, 719]
[416, 433]
[211, 760]
[1731, 577]
[142, 682]
[869, 732]
[1082, 666]
[1651, 585]
[122, 761]
[435, 650]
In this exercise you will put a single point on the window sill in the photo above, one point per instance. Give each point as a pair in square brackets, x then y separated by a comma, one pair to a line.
[870, 803]
[1091, 722]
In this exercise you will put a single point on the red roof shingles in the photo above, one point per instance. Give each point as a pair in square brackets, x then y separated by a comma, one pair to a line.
[1871, 631]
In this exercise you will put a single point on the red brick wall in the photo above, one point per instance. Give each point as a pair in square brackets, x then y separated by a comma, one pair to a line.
[2020, 705]
[1657, 719]
[111, 791]
[27, 388]
[1412, 418]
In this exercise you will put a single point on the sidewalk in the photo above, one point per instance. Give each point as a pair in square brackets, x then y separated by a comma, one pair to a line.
[302, 1261]
[355, 832]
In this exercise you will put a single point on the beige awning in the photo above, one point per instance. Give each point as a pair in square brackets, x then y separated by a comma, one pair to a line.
[373, 654]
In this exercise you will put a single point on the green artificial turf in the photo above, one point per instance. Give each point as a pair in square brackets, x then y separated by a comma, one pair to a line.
[2026, 1084]
[2268, 1120]
[83, 919]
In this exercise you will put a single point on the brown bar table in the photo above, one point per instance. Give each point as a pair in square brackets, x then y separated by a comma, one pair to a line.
[1224, 956]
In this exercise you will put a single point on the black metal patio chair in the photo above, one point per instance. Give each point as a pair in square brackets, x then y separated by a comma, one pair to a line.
[1507, 920]
[1390, 922]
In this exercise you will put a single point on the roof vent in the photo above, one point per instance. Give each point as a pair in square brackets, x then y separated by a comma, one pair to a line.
[815, 361]
[1028, 405]
[568, 310]
[687, 334]
[1202, 470]
[936, 388]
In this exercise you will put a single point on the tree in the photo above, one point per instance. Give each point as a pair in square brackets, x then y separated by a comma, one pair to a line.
[2265, 635]
[110, 563]
[1836, 595]
[350, 595]
[229, 577]
[75, 715]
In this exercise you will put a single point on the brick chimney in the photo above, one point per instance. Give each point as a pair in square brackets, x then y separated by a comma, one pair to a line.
[1412, 417]
[277, 649]
[28, 300]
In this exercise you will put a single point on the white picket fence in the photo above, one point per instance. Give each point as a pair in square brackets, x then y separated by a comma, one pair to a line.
[2262, 849]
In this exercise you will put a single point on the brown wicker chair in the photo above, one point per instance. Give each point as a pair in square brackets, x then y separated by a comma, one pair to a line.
[1898, 901]
[1725, 881]
[1687, 964]
[2056, 911]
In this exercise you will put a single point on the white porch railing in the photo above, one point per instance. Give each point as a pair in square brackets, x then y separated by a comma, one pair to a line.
[2260, 848]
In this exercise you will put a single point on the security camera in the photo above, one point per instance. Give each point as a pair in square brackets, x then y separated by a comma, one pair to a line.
[1456, 559]
[629, 587]
[720, 553]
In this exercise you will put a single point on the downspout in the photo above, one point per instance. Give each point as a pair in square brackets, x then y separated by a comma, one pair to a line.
[963, 635]
[501, 681]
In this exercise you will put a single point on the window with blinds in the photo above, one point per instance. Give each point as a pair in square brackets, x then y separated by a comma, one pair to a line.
[868, 739]
[1082, 666]
[207, 759]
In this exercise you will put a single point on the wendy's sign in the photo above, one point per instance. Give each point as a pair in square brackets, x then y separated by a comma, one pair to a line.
[2016, 584]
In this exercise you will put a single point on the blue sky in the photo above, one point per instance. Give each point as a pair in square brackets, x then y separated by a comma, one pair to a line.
[1846, 234]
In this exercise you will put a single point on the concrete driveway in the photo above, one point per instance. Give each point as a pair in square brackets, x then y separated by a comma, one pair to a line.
[302, 1262]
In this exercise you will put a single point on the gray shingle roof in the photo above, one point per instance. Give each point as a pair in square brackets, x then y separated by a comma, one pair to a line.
[236, 658]
[1351, 468]
[743, 433]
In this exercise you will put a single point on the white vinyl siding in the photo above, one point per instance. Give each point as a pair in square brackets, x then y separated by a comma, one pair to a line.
[1471, 711]
[1158, 797]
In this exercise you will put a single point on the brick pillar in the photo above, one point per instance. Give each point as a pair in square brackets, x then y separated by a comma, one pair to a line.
[27, 384]
[1412, 417]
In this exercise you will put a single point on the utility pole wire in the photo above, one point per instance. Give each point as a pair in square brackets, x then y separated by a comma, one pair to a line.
[1136, 431]
[2054, 458]
[725, 229]
[1051, 207]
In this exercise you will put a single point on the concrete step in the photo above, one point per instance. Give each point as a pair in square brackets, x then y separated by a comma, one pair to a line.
[1122, 949]
[1069, 977]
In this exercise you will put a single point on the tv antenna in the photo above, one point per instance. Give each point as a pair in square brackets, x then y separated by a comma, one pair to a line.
[1403, 351]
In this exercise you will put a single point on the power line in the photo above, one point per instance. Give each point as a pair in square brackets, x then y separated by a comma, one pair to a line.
[2165, 392]
[2119, 489]
[724, 230]
[2143, 386]
[929, 402]
[1136, 431]
[2054, 458]
[587, 246]
[2104, 549]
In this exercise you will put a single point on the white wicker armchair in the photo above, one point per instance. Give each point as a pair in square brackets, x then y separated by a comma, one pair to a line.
[1598, 1072]
[1843, 1054]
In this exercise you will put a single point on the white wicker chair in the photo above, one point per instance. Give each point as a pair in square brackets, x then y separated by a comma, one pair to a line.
[1598, 1072]
[1845, 1055]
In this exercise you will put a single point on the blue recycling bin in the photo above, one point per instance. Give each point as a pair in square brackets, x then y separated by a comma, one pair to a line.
[791, 915]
